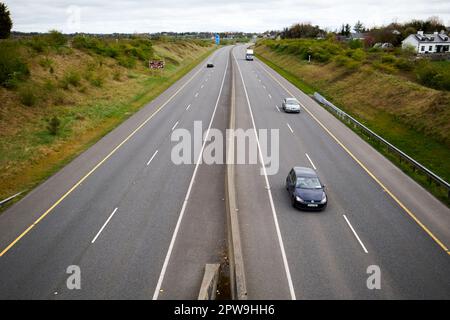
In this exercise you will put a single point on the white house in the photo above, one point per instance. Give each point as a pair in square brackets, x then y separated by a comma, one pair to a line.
[428, 43]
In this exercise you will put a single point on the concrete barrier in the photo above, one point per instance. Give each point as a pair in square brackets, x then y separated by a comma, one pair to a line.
[238, 284]
[208, 289]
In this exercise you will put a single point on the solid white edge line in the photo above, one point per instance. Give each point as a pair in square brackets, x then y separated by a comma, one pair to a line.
[292, 131]
[312, 163]
[356, 235]
[175, 125]
[154, 155]
[274, 214]
[278, 108]
[188, 193]
[104, 225]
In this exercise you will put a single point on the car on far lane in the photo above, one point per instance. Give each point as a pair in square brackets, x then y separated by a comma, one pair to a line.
[209, 65]
[305, 189]
[290, 105]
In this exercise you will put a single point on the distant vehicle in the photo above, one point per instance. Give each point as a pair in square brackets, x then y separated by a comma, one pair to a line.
[249, 55]
[290, 105]
[305, 189]
[209, 65]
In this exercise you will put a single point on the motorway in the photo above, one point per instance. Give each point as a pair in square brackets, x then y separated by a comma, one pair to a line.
[326, 255]
[125, 253]
[141, 227]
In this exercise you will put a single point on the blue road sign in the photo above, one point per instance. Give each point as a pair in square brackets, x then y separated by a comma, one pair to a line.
[217, 39]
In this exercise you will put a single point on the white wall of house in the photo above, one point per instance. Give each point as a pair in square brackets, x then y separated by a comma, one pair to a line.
[411, 41]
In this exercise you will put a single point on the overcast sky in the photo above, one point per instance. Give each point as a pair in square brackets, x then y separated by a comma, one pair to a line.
[128, 16]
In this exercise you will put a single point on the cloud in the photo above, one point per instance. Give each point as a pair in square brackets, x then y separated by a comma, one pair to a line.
[108, 16]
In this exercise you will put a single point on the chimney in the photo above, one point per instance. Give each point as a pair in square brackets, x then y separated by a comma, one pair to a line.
[420, 33]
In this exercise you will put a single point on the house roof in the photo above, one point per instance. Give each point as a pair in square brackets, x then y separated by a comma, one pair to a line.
[358, 35]
[430, 37]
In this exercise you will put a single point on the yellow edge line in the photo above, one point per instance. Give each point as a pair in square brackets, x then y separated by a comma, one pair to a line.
[97, 166]
[368, 171]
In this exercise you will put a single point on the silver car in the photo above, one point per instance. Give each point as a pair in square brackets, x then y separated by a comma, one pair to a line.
[291, 105]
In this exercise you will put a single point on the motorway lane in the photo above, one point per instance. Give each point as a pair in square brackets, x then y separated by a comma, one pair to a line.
[325, 258]
[201, 237]
[126, 258]
[263, 262]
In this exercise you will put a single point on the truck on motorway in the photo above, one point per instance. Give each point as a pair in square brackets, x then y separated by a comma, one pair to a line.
[249, 55]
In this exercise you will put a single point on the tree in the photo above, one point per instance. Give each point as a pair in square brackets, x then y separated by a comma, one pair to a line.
[5, 21]
[301, 30]
[359, 27]
[345, 30]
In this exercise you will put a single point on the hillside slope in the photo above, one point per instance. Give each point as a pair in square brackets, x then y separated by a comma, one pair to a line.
[72, 94]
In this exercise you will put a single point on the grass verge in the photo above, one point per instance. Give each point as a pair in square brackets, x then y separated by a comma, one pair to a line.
[295, 80]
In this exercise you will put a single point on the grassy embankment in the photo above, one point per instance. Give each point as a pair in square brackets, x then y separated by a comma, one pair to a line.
[385, 91]
[58, 97]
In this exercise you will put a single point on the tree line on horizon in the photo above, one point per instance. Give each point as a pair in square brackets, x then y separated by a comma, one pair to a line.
[393, 33]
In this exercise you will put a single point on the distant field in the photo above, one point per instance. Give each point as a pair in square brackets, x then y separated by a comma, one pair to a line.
[71, 94]
[413, 117]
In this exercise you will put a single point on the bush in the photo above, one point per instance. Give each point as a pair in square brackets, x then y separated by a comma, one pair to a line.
[49, 86]
[127, 61]
[12, 67]
[432, 75]
[28, 95]
[125, 51]
[387, 68]
[70, 78]
[38, 44]
[55, 38]
[352, 65]
[46, 63]
[359, 55]
[355, 44]
[96, 81]
[54, 126]
[404, 64]
[101, 47]
[388, 58]
[321, 51]
[341, 60]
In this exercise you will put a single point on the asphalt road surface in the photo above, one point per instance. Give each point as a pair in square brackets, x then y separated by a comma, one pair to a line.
[291, 254]
[118, 224]
[140, 226]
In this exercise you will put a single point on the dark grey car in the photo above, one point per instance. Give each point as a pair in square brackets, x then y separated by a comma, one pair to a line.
[305, 189]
